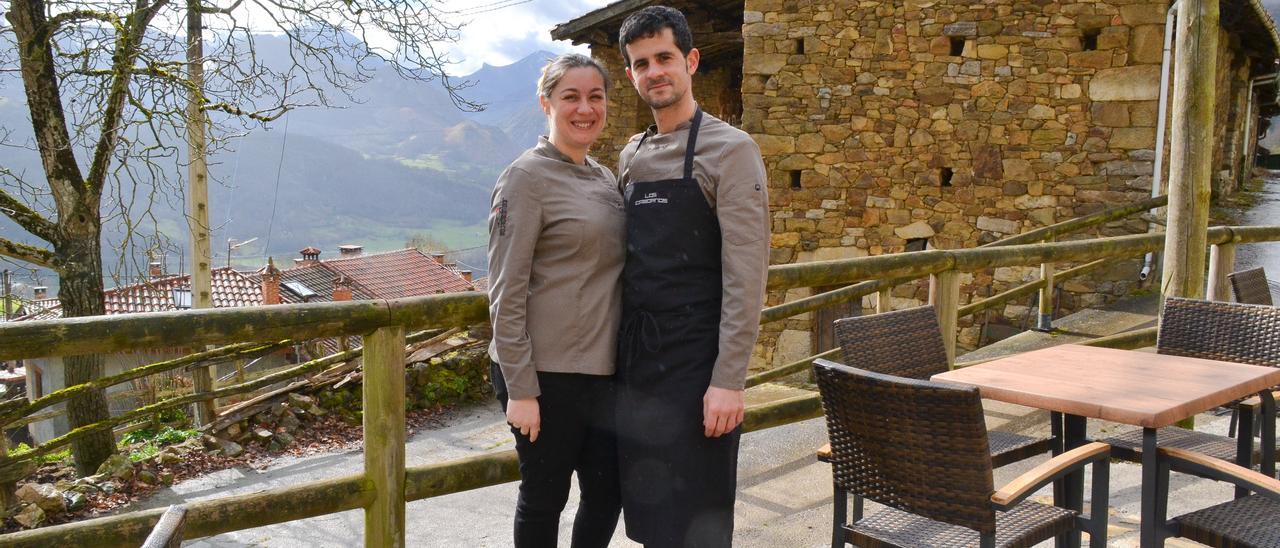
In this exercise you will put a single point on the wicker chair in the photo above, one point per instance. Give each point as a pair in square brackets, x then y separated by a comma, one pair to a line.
[920, 449]
[1250, 286]
[1213, 330]
[908, 343]
[1247, 521]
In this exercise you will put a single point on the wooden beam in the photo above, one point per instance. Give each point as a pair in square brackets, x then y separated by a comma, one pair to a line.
[1222, 260]
[571, 29]
[1191, 151]
[944, 295]
[384, 437]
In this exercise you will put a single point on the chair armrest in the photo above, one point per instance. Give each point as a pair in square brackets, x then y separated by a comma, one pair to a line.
[1029, 482]
[1209, 467]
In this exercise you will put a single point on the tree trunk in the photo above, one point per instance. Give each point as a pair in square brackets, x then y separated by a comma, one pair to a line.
[81, 295]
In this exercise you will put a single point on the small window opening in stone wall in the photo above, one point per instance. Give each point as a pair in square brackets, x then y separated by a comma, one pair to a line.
[917, 244]
[957, 46]
[1089, 39]
[799, 46]
[944, 176]
[795, 179]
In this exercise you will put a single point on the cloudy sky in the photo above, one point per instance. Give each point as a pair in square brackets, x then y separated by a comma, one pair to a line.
[502, 32]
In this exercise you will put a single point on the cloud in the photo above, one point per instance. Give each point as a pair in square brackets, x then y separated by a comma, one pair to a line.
[506, 35]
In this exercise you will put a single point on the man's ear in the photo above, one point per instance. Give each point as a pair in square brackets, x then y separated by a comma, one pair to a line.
[630, 76]
[692, 59]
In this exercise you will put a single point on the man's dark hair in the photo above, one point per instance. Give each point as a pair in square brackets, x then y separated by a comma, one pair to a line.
[650, 21]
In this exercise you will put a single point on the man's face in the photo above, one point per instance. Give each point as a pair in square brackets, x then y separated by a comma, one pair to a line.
[661, 74]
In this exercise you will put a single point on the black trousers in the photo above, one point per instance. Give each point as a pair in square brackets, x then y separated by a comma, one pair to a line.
[577, 435]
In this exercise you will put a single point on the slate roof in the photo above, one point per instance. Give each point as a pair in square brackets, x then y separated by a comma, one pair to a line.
[319, 279]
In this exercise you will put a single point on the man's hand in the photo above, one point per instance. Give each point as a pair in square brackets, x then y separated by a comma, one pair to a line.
[524, 415]
[722, 411]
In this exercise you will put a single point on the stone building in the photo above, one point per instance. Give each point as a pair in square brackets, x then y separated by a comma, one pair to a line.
[888, 126]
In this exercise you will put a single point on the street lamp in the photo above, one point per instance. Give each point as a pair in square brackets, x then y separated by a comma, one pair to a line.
[232, 244]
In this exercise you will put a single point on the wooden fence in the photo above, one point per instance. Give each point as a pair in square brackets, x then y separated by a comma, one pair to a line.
[386, 483]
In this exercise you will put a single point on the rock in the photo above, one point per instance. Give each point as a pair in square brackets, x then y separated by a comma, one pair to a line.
[279, 409]
[993, 224]
[1136, 83]
[1133, 138]
[918, 229]
[317, 411]
[262, 435]
[233, 430]
[289, 422]
[300, 401]
[168, 457]
[1041, 112]
[117, 466]
[148, 477]
[284, 439]
[44, 495]
[166, 477]
[108, 487]
[29, 516]
[992, 51]
[75, 501]
[231, 448]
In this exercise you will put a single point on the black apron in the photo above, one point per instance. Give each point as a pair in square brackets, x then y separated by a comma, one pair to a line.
[678, 485]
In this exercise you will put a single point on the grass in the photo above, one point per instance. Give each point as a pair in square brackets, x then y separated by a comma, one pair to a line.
[146, 443]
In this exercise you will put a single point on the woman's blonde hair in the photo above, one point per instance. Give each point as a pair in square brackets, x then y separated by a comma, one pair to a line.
[555, 70]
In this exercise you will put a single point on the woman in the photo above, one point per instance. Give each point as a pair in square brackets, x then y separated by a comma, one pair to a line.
[555, 256]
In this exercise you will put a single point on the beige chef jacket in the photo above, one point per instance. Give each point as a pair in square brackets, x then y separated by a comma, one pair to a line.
[728, 168]
[556, 248]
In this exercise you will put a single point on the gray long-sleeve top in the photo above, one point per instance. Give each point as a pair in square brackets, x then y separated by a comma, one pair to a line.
[556, 248]
[731, 174]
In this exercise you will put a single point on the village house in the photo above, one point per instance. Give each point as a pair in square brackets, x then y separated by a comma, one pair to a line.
[891, 126]
[353, 275]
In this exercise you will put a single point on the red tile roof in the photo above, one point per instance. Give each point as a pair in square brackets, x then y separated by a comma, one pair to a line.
[231, 289]
[403, 273]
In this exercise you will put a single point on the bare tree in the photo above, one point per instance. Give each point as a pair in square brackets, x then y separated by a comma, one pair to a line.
[106, 87]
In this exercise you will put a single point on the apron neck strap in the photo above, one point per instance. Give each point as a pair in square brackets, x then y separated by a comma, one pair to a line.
[693, 142]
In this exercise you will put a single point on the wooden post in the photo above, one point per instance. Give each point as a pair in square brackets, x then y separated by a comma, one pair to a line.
[944, 295]
[1191, 153]
[1044, 322]
[1222, 260]
[198, 181]
[884, 300]
[384, 436]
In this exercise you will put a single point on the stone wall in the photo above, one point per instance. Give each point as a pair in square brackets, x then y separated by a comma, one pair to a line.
[957, 122]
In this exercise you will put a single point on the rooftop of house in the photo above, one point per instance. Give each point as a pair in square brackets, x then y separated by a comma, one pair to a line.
[231, 289]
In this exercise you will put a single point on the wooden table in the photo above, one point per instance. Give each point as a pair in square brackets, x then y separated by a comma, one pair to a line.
[1139, 388]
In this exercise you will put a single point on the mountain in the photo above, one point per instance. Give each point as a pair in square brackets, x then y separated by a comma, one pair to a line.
[511, 98]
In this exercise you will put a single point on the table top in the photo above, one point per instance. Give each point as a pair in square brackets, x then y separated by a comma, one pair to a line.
[1139, 388]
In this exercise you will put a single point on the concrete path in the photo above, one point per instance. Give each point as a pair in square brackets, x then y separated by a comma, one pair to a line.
[784, 494]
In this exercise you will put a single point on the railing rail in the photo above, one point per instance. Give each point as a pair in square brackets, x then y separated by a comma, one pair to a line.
[386, 483]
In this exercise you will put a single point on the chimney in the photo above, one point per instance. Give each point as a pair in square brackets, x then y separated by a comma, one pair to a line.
[41, 292]
[466, 275]
[451, 266]
[271, 283]
[350, 250]
[439, 257]
[310, 256]
[341, 289]
[155, 269]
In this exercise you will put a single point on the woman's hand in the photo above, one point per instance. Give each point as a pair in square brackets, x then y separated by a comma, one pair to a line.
[524, 415]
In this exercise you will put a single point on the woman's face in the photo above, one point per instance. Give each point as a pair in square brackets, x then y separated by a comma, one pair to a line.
[576, 108]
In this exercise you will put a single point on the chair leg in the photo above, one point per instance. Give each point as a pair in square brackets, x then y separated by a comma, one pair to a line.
[1231, 426]
[838, 514]
[1099, 504]
[1244, 448]
[988, 541]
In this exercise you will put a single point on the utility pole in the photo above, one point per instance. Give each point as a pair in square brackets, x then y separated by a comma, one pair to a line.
[1191, 153]
[198, 179]
[8, 295]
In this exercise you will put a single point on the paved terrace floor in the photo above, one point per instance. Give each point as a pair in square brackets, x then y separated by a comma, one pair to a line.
[784, 493]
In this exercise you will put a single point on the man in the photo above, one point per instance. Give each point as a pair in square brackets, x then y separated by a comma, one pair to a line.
[693, 286]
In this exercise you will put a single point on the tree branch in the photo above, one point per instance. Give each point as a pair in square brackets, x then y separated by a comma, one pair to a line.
[76, 16]
[28, 219]
[31, 254]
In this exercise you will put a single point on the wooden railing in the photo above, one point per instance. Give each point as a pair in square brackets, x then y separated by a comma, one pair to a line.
[385, 485]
